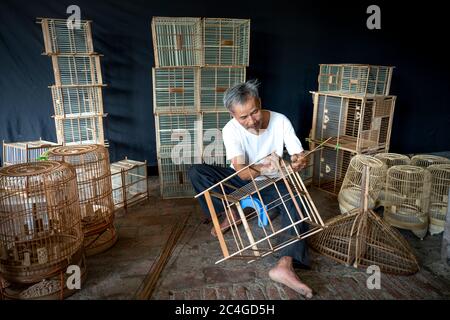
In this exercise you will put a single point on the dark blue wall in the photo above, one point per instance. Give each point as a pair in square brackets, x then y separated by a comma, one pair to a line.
[288, 41]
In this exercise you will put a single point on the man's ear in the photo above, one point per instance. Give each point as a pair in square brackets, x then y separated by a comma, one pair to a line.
[258, 102]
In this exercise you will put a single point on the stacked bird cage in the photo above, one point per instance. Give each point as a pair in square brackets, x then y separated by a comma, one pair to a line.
[389, 160]
[440, 184]
[40, 229]
[407, 198]
[426, 160]
[353, 108]
[196, 61]
[91, 163]
[27, 151]
[77, 93]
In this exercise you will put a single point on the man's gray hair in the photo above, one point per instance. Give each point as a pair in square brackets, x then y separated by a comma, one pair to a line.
[240, 93]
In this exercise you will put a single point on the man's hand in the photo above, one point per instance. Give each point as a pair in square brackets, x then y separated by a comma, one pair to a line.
[299, 161]
[269, 165]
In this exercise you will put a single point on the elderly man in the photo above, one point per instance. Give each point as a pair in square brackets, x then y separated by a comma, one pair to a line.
[252, 134]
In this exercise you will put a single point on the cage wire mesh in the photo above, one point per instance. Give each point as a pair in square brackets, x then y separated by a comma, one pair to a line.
[40, 221]
[426, 160]
[75, 130]
[350, 195]
[440, 184]
[91, 163]
[213, 150]
[77, 70]
[407, 198]
[27, 151]
[355, 79]
[77, 101]
[389, 160]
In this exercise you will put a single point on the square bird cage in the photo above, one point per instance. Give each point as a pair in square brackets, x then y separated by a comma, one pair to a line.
[29, 151]
[355, 79]
[73, 70]
[77, 101]
[61, 38]
[252, 240]
[75, 129]
[213, 149]
[356, 124]
[177, 41]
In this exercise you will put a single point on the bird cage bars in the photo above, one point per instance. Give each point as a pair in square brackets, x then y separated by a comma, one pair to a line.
[71, 70]
[40, 221]
[92, 167]
[389, 160]
[440, 184]
[129, 182]
[425, 160]
[213, 149]
[355, 79]
[350, 195]
[79, 130]
[357, 124]
[407, 198]
[77, 101]
[28, 151]
[257, 240]
[181, 41]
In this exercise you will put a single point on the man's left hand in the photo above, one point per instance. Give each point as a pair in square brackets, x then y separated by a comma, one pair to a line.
[299, 161]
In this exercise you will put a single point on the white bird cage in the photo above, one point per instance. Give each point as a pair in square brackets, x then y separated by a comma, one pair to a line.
[62, 36]
[214, 82]
[213, 148]
[226, 42]
[27, 151]
[77, 101]
[355, 79]
[177, 41]
[252, 240]
[356, 123]
[426, 160]
[389, 160]
[73, 130]
[440, 184]
[177, 129]
[350, 194]
[77, 70]
[407, 198]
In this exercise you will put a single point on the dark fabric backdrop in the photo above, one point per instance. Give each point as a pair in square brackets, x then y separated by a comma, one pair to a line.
[288, 41]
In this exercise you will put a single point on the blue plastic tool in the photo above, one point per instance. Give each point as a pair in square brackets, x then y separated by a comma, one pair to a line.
[252, 202]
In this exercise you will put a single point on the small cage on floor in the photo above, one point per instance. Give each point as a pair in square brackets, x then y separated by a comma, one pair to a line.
[356, 123]
[389, 160]
[27, 151]
[129, 182]
[355, 78]
[440, 184]
[63, 37]
[426, 160]
[350, 194]
[177, 41]
[226, 41]
[79, 129]
[91, 163]
[407, 198]
[40, 221]
[252, 240]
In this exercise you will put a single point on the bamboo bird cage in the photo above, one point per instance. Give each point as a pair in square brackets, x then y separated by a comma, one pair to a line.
[440, 184]
[28, 151]
[92, 167]
[389, 160]
[260, 237]
[426, 160]
[361, 238]
[407, 198]
[350, 194]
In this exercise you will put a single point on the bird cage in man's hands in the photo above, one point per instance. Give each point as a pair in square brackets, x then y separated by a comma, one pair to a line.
[426, 160]
[254, 233]
[407, 198]
[92, 166]
[440, 184]
[350, 194]
[389, 160]
[40, 223]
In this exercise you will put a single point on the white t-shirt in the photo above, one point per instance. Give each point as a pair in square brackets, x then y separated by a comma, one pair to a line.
[279, 133]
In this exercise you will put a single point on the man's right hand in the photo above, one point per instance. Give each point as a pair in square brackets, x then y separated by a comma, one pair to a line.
[269, 165]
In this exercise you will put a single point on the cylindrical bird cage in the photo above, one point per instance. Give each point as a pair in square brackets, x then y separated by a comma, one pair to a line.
[426, 160]
[407, 198]
[350, 194]
[91, 163]
[440, 184]
[40, 221]
[389, 160]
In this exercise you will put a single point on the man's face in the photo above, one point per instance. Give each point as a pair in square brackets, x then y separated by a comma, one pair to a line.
[249, 114]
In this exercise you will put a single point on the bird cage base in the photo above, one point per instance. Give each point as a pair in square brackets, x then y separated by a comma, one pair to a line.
[403, 219]
[101, 242]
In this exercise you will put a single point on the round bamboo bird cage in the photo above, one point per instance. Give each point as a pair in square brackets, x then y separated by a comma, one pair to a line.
[350, 194]
[440, 184]
[40, 221]
[389, 160]
[426, 160]
[92, 167]
[407, 198]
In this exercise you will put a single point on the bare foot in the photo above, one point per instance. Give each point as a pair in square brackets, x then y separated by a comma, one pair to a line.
[225, 225]
[284, 273]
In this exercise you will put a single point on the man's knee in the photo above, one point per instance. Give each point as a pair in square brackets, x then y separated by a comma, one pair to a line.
[196, 171]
